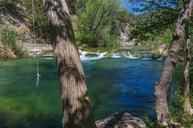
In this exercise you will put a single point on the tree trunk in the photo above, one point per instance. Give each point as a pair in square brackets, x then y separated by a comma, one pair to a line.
[161, 88]
[187, 105]
[75, 101]
[71, 6]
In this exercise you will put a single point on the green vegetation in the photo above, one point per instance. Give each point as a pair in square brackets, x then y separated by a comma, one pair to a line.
[23, 8]
[9, 45]
[8, 36]
[94, 25]
[176, 107]
[100, 22]
[40, 19]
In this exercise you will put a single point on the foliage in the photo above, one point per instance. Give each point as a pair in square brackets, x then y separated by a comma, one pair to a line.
[183, 118]
[23, 8]
[176, 99]
[8, 37]
[19, 50]
[161, 38]
[153, 24]
[80, 5]
[95, 21]
[2, 2]
[6, 2]
[111, 41]
[40, 19]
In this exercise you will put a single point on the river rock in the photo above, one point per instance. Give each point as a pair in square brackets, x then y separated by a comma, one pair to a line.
[121, 120]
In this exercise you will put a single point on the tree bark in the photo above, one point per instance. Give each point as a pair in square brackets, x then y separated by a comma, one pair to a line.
[75, 101]
[187, 105]
[71, 6]
[161, 88]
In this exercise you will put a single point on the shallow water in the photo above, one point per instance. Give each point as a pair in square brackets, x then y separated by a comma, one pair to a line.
[114, 85]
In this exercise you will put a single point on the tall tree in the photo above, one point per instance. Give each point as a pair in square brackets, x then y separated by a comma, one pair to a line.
[177, 46]
[94, 24]
[75, 101]
[187, 104]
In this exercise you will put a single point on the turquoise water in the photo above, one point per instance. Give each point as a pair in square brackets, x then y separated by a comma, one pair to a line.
[114, 85]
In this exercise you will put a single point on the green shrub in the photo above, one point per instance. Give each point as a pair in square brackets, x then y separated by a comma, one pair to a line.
[88, 39]
[176, 99]
[2, 3]
[19, 50]
[163, 38]
[111, 41]
[7, 36]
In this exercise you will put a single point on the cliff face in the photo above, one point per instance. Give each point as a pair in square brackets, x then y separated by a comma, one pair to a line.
[125, 40]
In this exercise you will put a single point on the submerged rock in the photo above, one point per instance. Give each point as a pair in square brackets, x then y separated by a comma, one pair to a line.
[121, 120]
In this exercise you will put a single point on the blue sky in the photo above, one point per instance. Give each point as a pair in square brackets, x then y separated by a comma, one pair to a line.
[129, 6]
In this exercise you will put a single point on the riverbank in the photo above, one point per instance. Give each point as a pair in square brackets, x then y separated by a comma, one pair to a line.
[132, 52]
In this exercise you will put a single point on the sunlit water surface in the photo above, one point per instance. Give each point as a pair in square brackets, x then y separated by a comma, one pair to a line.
[115, 85]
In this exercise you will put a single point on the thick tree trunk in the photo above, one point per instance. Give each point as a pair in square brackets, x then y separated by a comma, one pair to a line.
[76, 105]
[161, 88]
[187, 105]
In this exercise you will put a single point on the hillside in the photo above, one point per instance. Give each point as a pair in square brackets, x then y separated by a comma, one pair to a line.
[13, 19]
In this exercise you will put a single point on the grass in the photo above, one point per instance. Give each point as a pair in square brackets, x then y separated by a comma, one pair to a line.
[10, 46]
[19, 50]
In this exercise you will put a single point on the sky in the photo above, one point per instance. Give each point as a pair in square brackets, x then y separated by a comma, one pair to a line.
[129, 6]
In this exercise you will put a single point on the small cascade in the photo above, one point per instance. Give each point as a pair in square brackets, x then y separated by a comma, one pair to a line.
[87, 56]
[115, 55]
[130, 56]
[122, 55]
[84, 55]
[160, 59]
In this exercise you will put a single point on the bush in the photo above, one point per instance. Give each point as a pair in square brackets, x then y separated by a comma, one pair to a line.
[2, 2]
[111, 41]
[88, 39]
[176, 99]
[19, 50]
[159, 39]
[7, 36]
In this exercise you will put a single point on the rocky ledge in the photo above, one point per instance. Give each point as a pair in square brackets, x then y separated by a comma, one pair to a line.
[121, 120]
[37, 49]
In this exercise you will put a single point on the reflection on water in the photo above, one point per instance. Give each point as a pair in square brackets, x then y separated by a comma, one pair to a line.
[113, 84]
